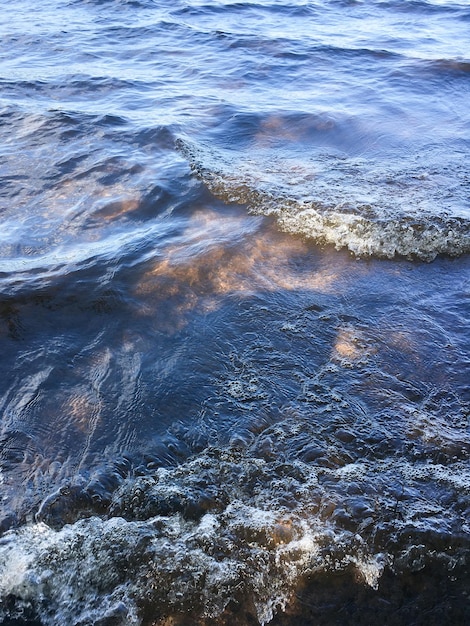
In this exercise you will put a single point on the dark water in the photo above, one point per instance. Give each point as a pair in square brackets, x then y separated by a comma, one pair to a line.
[234, 312]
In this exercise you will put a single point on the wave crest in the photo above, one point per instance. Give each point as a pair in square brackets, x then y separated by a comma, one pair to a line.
[372, 209]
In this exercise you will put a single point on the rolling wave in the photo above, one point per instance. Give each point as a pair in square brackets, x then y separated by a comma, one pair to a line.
[410, 210]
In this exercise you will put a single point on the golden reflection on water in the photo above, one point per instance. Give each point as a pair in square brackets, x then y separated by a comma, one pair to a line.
[349, 345]
[215, 257]
[82, 409]
[275, 127]
[118, 205]
[74, 202]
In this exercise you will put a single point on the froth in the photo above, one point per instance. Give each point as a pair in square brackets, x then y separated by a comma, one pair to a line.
[413, 210]
[224, 528]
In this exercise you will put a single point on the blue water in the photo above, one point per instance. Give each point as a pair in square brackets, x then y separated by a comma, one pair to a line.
[234, 312]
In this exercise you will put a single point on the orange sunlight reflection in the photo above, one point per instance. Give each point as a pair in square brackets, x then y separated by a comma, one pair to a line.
[217, 257]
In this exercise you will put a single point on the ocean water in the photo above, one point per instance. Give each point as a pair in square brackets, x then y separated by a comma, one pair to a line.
[234, 312]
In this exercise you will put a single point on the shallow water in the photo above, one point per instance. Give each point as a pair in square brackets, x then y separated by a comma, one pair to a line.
[234, 313]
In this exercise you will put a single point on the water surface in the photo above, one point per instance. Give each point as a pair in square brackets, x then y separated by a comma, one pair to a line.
[234, 312]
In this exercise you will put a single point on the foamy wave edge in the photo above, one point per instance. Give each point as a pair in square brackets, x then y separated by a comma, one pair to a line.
[246, 546]
[363, 229]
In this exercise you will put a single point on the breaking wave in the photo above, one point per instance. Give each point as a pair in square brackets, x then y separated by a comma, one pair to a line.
[238, 526]
[412, 210]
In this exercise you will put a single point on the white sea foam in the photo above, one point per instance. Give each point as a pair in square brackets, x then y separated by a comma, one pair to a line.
[250, 546]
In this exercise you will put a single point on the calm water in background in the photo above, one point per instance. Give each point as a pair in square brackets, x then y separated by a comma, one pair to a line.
[234, 312]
